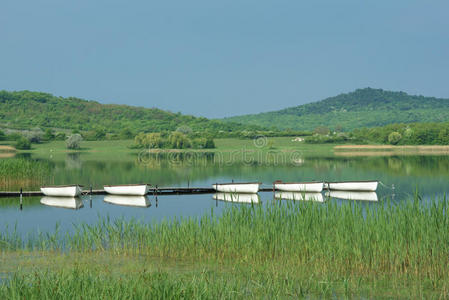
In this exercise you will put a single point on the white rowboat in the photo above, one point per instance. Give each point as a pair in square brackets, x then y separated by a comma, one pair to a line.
[318, 197]
[64, 202]
[364, 196]
[62, 190]
[127, 189]
[248, 187]
[361, 186]
[312, 187]
[139, 201]
[238, 198]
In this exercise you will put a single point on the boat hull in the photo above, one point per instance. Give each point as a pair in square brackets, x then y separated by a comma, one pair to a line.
[318, 197]
[138, 201]
[249, 188]
[237, 198]
[62, 202]
[308, 187]
[62, 191]
[361, 186]
[350, 195]
[129, 190]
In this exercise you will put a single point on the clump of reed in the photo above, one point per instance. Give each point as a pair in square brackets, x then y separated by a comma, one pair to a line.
[408, 240]
[21, 172]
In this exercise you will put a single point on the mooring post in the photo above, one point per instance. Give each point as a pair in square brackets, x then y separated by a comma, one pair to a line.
[21, 199]
[188, 183]
[90, 197]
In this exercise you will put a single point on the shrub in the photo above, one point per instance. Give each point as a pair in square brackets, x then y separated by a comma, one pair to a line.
[210, 144]
[60, 136]
[34, 136]
[2, 135]
[394, 137]
[23, 143]
[178, 140]
[48, 135]
[74, 141]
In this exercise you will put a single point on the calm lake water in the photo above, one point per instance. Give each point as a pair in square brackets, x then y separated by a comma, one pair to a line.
[428, 174]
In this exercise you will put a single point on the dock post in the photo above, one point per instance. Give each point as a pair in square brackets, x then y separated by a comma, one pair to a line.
[90, 197]
[21, 206]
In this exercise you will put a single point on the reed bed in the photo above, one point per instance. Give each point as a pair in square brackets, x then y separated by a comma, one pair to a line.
[20, 172]
[390, 247]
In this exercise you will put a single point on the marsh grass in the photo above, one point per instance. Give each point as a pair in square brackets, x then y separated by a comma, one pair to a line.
[20, 172]
[288, 250]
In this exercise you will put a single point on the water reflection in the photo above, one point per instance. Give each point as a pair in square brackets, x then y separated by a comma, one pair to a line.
[139, 201]
[318, 197]
[346, 195]
[73, 161]
[236, 197]
[63, 202]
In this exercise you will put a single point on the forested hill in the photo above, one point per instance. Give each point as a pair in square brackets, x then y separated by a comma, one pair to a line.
[362, 108]
[25, 109]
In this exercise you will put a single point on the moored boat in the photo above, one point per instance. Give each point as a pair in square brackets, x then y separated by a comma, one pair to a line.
[318, 197]
[63, 202]
[361, 186]
[350, 195]
[62, 190]
[139, 201]
[311, 187]
[247, 187]
[236, 197]
[127, 189]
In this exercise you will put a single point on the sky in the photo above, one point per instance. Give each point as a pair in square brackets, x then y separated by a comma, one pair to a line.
[223, 58]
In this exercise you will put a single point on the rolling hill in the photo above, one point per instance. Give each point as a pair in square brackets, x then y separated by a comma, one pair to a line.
[362, 108]
[26, 109]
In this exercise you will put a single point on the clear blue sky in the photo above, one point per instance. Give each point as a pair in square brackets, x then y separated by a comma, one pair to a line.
[223, 58]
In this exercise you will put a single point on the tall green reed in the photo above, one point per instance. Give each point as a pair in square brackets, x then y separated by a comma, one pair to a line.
[21, 172]
[409, 237]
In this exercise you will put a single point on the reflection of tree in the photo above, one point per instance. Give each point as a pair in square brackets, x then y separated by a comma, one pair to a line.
[73, 161]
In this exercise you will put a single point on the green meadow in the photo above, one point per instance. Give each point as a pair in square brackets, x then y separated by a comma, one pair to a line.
[289, 250]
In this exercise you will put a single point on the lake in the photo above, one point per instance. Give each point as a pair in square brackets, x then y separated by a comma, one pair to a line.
[428, 175]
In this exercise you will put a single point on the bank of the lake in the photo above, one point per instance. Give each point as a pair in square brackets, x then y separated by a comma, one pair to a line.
[294, 250]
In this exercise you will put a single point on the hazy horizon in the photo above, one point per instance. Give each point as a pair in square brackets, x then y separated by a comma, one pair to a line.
[223, 59]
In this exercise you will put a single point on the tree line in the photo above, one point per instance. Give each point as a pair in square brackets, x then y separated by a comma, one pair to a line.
[393, 134]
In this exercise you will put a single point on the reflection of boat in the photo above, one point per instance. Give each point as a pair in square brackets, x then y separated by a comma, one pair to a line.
[247, 187]
[366, 196]
[313, 187]
[238, 198]
[318, 197]
[64, 202]
[140, 201]
[362, 186]
[127, 189]
[62, 190]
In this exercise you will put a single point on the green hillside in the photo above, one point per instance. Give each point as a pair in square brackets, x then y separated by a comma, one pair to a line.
[362, 108]
[25, 109]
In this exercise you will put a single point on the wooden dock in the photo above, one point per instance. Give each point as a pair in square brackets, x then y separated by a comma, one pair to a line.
[152, 191]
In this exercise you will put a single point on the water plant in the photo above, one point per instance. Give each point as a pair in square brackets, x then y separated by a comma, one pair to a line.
[21, 172]
[387, 248]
